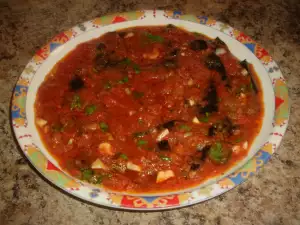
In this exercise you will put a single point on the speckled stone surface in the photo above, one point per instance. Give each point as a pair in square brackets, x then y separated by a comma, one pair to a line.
[272, 197]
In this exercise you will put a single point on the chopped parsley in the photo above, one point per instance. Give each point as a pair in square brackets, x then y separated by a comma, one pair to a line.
[184, 127]
[142, 142]
[124, 80]
[136, 68]
[107, 85]
[165, 158]
[154, 38]
[123, 156]
[89, 110]
[103, 126]
[76, 102]
[86, 174]
[137, 94]
[217, 154]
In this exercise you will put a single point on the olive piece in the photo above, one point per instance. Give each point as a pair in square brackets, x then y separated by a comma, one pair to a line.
[198, 45]
[76, 83]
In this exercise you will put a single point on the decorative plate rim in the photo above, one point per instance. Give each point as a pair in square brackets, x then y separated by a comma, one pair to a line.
[120, 201]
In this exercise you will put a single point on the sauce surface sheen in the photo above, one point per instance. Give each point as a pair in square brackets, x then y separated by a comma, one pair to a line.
[149, 109]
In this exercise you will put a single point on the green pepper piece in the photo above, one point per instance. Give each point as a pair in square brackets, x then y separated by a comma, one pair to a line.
[217, 154]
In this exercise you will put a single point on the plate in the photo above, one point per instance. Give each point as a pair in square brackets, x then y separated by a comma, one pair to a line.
[275, 99]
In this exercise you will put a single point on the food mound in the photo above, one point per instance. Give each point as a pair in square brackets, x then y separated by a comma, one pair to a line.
[149, 109]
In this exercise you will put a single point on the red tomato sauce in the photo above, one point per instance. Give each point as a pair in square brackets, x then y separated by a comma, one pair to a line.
[149, 109]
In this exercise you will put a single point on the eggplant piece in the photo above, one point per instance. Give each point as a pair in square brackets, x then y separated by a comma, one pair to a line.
[213, 62]
[198, 161]
[174, 52]
[219, 42]
[198, 45]
[245, 65]
[100, 62]
[170, 26]
[169, 125]
[122, 34]
[205, 151]
[101, 47]
[76, 83]
[225, 126]
[212, 99]
[163, 145]
[195, 166]
[211, 131]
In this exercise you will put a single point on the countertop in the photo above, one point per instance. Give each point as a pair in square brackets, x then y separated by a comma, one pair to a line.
[271, 197]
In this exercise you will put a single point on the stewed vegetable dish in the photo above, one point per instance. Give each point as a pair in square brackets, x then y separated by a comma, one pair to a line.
[149, 109]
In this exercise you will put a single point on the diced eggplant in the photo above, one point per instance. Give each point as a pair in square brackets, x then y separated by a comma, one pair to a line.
[212, 100]
[219, 42]
[195, 166]
[170, 26]
[173, 53]
[76, 83]
[213, 62]
[205, 151]
[225, 126]
[122, 34]
[211, 131]
[198, 160]
[169, 125]
[245, 65]
[100, 62]
[163, 145]
[101, 47]
[198, 45]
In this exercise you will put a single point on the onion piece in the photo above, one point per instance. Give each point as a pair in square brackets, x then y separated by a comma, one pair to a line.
[196, 120]
[41, 122]
[164, 175]
[244, 72]
[128, 35]
[106, 148]
[245, 145]
[91, 126]
[134, 167]
[236, 148]
[98, 164]
[220, 51]
[162, 134]
[191, 102]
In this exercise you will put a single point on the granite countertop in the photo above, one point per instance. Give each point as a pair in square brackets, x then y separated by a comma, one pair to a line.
[271, 197]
